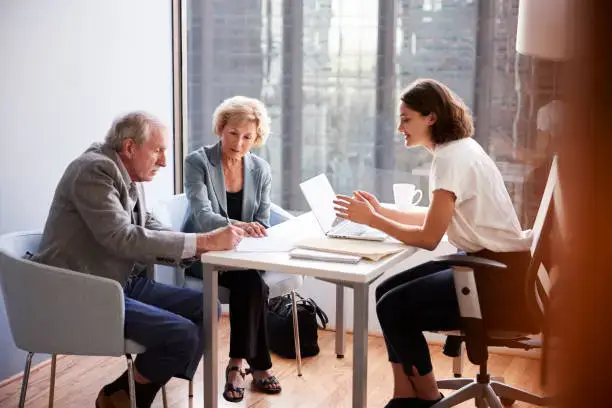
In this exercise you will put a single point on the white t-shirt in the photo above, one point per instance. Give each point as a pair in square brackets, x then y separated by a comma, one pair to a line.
[484, 216]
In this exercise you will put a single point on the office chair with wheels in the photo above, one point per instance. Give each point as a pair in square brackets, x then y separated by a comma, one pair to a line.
[485, 391]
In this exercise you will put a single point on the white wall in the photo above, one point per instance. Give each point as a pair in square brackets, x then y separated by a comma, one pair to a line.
[67, 69]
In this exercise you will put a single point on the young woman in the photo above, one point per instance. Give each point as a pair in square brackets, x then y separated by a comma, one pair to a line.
[469, 203]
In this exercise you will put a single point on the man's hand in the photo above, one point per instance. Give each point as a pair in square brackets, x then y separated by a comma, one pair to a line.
[252, 229]
[220, 239]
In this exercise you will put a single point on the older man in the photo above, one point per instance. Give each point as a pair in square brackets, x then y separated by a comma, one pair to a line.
[98, 224]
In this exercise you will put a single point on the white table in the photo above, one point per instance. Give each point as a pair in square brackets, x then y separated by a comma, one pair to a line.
[358, 276]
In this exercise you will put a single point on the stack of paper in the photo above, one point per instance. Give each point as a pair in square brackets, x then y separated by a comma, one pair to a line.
[264, 244]
[373, 251]
[300, 253]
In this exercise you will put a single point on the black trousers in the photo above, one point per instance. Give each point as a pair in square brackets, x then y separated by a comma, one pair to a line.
[248, 314]
[248, 310]
[423, 299]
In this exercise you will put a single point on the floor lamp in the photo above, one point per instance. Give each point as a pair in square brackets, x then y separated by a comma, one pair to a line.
[543, 33]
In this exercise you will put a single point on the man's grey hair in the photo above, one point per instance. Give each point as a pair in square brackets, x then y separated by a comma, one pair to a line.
[137, 126]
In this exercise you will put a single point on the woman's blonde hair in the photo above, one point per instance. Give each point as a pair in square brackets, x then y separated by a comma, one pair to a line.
[242, 108]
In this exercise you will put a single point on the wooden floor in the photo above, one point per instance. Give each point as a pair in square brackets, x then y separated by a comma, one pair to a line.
[326, 381]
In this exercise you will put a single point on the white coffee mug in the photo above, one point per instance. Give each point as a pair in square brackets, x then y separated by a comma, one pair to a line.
[406, 196]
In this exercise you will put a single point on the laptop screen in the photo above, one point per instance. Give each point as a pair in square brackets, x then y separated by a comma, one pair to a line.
[320, 196]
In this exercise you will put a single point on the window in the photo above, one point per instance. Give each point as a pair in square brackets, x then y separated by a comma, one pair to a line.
[330, 71]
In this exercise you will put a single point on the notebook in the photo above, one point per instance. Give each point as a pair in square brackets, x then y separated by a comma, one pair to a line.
[373, 251]
[301, 253]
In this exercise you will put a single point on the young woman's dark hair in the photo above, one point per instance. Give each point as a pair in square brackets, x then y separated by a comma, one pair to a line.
[453, 118]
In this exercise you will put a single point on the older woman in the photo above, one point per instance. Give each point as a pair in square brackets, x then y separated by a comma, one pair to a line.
[226, 183]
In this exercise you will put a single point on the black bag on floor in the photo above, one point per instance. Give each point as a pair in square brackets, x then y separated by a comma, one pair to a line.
[280, 326]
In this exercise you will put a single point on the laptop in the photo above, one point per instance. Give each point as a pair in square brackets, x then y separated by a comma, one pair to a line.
[320, 197]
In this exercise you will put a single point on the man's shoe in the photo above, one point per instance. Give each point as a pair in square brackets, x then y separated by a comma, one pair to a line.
[118, 399]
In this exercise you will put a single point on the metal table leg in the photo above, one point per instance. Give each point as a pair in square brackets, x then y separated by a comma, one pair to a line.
[360, 346]
[211, 336]
[340, 327]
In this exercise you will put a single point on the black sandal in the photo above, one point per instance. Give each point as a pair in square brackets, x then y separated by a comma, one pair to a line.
[412, 402]
[264, 384]
[431, 403]
[229, 387]
[404, 403]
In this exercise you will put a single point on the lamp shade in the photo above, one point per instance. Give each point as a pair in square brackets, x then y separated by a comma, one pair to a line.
[544, 29]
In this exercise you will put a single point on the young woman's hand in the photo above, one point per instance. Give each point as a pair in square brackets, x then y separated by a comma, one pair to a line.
[370, 198]
[357, 209]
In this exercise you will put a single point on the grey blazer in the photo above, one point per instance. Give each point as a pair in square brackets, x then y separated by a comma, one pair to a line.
[205, 190]
[89, 228]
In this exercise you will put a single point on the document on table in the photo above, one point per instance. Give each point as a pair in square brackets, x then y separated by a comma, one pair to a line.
[265, 244]
[299, 253]
[373, 251]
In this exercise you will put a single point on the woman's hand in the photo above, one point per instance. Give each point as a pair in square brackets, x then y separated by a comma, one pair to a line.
[252, 229]
[357, 208]
[370, 198]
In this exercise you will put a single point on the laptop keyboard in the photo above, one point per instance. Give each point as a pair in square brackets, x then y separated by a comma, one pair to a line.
[350, 228]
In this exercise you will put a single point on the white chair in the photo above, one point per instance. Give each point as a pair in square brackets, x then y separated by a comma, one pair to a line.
[57, 311]
[174, 211]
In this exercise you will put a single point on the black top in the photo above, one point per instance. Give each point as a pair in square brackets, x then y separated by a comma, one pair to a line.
[135, 214]
[234, 205]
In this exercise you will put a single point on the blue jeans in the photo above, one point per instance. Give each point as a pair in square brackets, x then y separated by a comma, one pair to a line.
[167, 320]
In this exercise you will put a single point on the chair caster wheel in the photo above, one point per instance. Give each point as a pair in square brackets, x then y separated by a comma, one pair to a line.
[339, 355]
[506, 402]
[457, 375]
